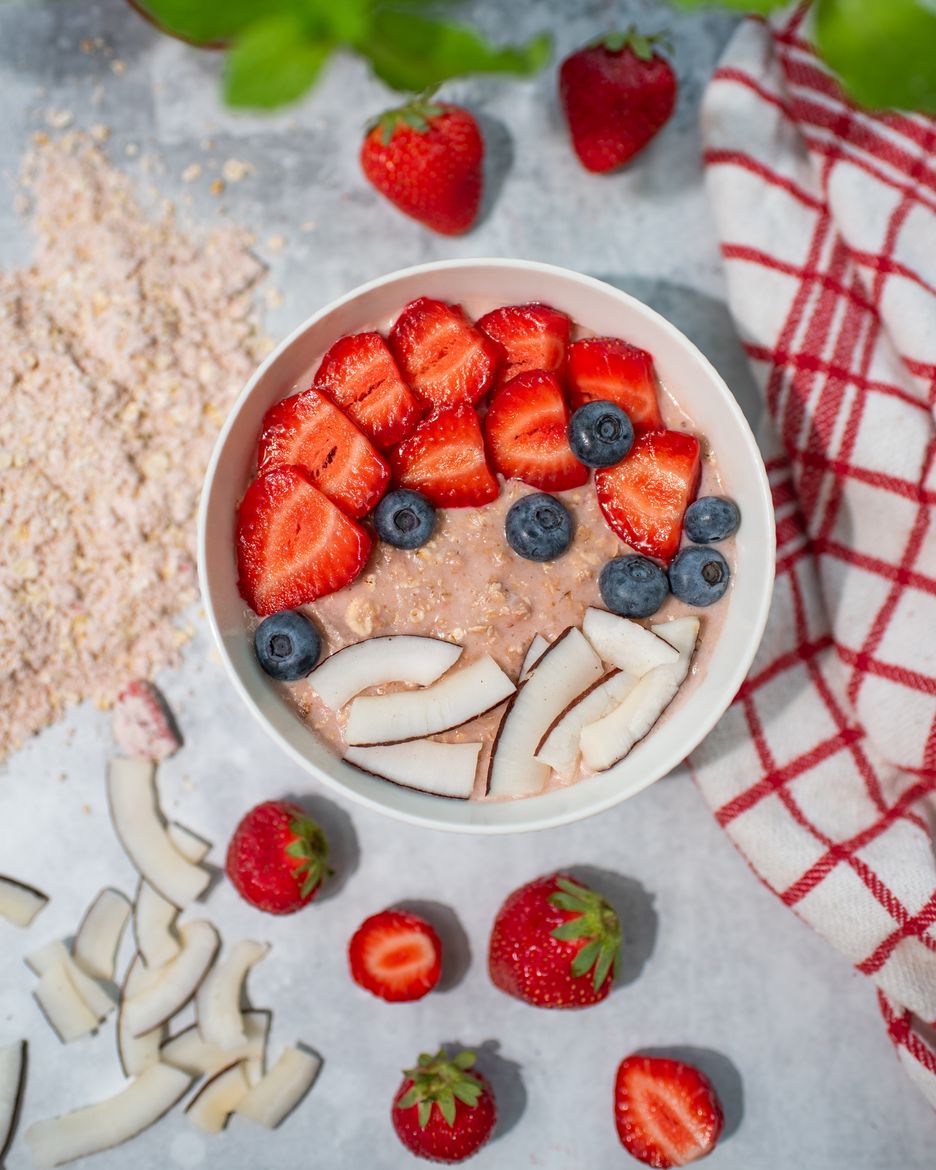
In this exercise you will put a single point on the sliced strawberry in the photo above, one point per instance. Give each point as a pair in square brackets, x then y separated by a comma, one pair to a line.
[293, 543]
[444, 459]
[612, 370]
[644, 497]
[533, 337]
[396, 956]
[444, 358]
[526, 434]
[359, 374]
[307, 430]
[666, 1112]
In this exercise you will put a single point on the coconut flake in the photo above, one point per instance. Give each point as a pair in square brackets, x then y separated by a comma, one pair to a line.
[217, 1005]
[137, 1053]
[559, 746]
[625, 643]
[177, 982]
[441, 769]
[62, 1006]
[273, 1098]
[217, 1099]
[153, 915]
[187, 1050]
[109, 1123]
[98, 936]
[12, 1084]
[20, 903]
[138, 823]
[98, 1000]
[375, 662]
[535, 651]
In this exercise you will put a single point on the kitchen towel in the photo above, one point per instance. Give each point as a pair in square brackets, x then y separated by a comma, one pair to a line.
[823, 772]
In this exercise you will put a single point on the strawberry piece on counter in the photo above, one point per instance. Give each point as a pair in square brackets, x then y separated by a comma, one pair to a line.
[617, 93]
[360, 376]
[526, 430]
[666, 1112]
[307, 430]
[426, 158]
[143, 724]
[644, 497]
[443, 1111]
[293, 543]
[555, 944]
[533, 337]
[444, 459]
[610, 370]
[395, 956]
[444, 358]
[277, 858]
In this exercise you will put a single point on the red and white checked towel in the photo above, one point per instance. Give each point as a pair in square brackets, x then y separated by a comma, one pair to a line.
[823, 772]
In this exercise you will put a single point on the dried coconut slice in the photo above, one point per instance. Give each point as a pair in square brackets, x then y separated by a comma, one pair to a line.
[442, 769]
[626, 644]
[217, 1099]
[58, 998]
[272, 1099]
[137, 821]
[98, 999]
[137, 1053]
[178, 981]
[559, 746]
[535, 651]
[187, 1050]
[610, 738]
[565, 670]
[217, 1004]
[153, 915]
[460, 696]
[99, 933]
[20, 903]
[377, 661]
[12, 1084]
[109, 1123]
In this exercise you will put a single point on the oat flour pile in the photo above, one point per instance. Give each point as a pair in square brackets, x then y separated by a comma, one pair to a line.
[123, 345]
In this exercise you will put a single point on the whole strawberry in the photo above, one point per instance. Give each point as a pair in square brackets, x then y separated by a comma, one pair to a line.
[555, 943]
[443, 1111]
[426, 158]
[277, 857]
[617, 92]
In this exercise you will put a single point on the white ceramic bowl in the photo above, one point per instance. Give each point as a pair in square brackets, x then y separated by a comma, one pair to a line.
[700, 392]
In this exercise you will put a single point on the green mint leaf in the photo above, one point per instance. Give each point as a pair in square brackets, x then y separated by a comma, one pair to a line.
[411, 52]
[207, 21]
[884, 53]
[272, 63]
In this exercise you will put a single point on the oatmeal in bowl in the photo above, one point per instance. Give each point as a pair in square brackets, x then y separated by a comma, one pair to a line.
[487, 545]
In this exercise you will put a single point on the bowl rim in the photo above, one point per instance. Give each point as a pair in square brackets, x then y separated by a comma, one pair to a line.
[677, 755]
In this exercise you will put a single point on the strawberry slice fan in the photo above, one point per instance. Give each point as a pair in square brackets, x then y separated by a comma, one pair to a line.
[823, 772]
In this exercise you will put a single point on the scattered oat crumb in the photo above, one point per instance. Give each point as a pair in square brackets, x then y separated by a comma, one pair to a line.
[59, 119]
[276, 243]
[100, 132]
[40, 138]
[234, 170]
[87, 45]
[308, 226]
[105, 428]
[273, 298]
[131, 150]
[191, 173]
[217, 187]
[119, 67]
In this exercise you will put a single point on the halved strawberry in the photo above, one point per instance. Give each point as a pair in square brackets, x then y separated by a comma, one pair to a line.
[533, 337]
[526, 434]
[395, 956]
[644, 497]
[444, 358]
[307, 430]
[359, 374]
[612, 370]
[293, 543]
[444, 459]
[666, 1112]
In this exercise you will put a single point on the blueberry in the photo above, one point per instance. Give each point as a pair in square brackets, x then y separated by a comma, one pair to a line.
[405, 519]
[699, 576]
[633, 586]
[287, 645]
[538, 527]
[711, 519]
[600, 433]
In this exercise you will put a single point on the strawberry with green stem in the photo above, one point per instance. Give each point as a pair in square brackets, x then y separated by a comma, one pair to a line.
[278, 857]
[444, 1111]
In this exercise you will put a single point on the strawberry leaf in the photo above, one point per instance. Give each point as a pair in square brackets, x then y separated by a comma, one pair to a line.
[423, 1113]
[274, 62]
[464, 1060]
[582, 963]
[447, 1106]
